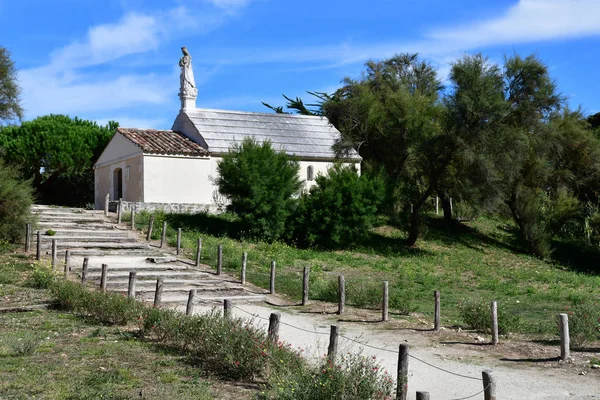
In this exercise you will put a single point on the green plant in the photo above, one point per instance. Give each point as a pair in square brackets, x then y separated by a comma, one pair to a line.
[477, 315]
[16, 197]
[108, 308]
[584, 323]
[41, 278]
[25, 345]
[353, 377]
[259, 183]
[50, 232]
[339, 211]
[8, 274]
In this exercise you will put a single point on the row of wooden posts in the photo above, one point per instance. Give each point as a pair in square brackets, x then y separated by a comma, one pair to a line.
[563, 318]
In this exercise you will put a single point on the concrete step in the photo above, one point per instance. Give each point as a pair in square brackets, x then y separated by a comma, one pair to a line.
[47, 240]
[180, 290]
[96, 267]
[149, 252]
[84, 218]
[213, 298]
[148, 275]
[43, 208]
[97, 233]
[118, 245]
[171, 282]
[59, 213]
[55, 226]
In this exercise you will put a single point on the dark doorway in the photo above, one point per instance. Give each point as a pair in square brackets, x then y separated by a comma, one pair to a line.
[118, 183]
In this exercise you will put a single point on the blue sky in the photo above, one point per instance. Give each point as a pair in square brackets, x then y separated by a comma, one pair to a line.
[117, 59]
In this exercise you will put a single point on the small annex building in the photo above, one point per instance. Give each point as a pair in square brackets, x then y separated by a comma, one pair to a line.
[174, 169]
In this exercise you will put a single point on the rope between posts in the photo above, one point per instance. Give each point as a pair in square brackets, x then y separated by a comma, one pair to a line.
[416, 358]
[473, 395]
[367, 345]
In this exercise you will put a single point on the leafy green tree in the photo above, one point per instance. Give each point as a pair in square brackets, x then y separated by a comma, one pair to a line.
[339, 211]
[594, 120]
[15, 200]
[58, 153]
[10, 104]
[259, 183]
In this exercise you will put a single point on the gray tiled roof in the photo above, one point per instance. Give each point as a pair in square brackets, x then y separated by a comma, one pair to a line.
[299, 135]
[153, 141]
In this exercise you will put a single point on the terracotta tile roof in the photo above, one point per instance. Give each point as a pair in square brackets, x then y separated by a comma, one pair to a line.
[153, 141]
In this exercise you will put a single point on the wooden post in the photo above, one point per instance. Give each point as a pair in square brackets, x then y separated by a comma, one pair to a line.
[131, 287]
[198, 252]
[494, 309]
[27, 238]
[133, 217]
[273, 331]
[272, 283]
[163, 237]
[103, 277]
[333, 343]
[341, 294]
[489, 385]
[67, 262]
[150, 227]
[54, 248]
[38, 250]
[178, 241]
[565, 347]
[422, 395]
[305, 288]
[402, 377]
[385, 302]
[84, 270]
[158, 292]
[227, 306]
[189, 310]
[219, 259]
[244, 264]
[451, 207]
[437, 205]
[436, 322]
[120, 211]
[106, 204]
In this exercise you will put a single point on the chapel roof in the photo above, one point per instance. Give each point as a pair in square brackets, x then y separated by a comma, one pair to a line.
[153, 141]
[306, 137]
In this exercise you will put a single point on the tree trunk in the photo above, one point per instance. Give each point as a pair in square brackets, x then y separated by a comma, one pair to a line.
[446, 206]
[414, 229]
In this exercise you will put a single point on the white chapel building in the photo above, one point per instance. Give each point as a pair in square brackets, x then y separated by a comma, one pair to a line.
[174, 169]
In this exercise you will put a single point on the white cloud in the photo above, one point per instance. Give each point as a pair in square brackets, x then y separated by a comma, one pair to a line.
[528, 21]
[127, 122]
[229, 4]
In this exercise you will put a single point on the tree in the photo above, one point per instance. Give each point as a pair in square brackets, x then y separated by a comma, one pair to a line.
[338, 211]
[10, 105]
[58, 154]
[594, 120]
[15, 200]
[259, 183]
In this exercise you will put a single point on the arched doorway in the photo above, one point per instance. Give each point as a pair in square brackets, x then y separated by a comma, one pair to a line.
[118, 183]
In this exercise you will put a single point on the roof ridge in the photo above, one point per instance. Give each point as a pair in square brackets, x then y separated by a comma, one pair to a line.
[266, 114]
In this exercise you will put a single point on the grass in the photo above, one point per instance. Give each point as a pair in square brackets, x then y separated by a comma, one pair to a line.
[52, 354]
[476, 260]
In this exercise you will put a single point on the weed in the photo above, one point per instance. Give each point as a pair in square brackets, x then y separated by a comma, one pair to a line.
[50, 232]
[24, 346]
[8, 275]
[41, 278]
[584, 323]
[477, 315]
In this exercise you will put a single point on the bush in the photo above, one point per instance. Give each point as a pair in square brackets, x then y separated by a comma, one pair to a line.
[259, 183]
[16, 197]
[355, 377]
[339, 211]
[584, 323]
[477, 315]
[107, 308]
[41, 278]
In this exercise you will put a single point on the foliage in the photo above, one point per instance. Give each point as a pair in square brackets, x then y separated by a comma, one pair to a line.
[24, 345]
[353, 377]
[15, 201]
[42, 277]
[107, 308]
[10, 104]
[584, 323]
[477, 315]
[259, 183]
[339, 211]
[58, 153]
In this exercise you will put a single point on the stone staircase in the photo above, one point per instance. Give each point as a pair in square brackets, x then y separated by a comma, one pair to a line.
[90, 234]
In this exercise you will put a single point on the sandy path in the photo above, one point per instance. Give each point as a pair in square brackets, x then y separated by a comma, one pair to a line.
[516, 382]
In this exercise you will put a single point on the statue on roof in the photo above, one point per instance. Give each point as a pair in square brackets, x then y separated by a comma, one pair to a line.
[187, 88]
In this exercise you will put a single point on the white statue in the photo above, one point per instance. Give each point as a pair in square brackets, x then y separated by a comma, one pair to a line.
[187, 90]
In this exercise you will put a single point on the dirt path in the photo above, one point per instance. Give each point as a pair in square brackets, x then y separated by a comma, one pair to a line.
[516, 380]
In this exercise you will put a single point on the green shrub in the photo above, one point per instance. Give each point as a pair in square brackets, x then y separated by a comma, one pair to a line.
[354, 377]
[401, 300]
[50, 232]
[107, 308]
[233, 348]
[477, 315]
[25, 345]
[16, 197]
[259, 183]
[8, 274]
[41, 278]
[584, 323]
[339, 211]
[363, 295]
